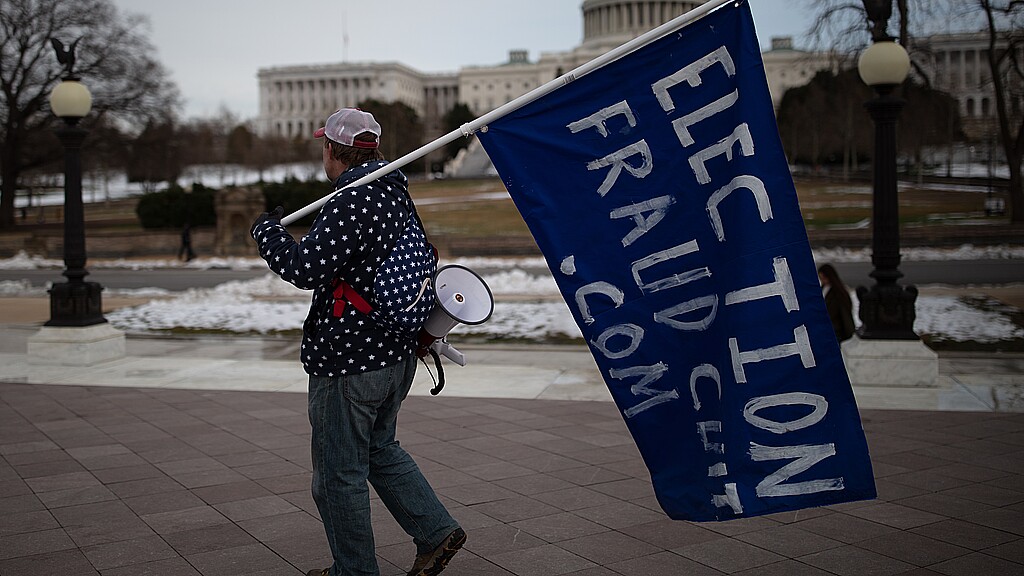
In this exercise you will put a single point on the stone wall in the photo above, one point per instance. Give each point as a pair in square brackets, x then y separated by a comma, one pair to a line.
[236, 209]
[49, 243]
[106, 243]
[122, 238]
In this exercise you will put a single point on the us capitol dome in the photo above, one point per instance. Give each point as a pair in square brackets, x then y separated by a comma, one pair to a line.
[611, 23]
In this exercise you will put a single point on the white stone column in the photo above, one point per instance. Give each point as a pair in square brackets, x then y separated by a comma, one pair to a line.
[977, 68]
[947, 71]
[963, 69]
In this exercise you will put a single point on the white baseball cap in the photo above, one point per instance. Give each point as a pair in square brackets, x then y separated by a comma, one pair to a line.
[344, 125]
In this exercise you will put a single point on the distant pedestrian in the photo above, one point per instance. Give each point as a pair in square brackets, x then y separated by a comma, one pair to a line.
[837, 302]
[186, 244]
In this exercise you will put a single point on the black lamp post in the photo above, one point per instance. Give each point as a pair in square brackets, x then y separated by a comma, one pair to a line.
[887, 308]
[75, 302]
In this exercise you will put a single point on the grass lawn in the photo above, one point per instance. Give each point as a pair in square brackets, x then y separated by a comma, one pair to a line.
[829, 203]
[473, 208]
[484, 211]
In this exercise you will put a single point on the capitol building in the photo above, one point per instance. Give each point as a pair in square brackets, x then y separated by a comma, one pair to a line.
[294, 100]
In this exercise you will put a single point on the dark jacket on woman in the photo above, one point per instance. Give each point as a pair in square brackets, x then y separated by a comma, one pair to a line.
[840, 312]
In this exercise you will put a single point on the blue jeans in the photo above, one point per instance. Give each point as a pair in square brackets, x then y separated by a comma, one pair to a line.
[354, 420]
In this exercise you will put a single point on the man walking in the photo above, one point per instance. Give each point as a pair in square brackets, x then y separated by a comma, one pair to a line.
[360, 366]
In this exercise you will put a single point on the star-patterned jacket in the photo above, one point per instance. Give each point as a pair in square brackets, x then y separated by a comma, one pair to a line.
[350, 239]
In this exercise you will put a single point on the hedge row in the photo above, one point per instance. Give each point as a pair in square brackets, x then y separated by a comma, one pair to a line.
[175, 207]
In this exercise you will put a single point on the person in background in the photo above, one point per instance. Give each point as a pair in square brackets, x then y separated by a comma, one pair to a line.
[837, 302]
[359, 371]
[186, 243]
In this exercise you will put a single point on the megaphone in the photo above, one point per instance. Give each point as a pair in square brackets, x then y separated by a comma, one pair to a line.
[462, 297]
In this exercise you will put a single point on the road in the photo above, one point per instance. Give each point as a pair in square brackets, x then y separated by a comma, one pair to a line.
[953, 273]
[173, 279]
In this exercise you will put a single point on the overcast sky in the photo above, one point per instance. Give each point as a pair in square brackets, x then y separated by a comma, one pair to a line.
[213, 48]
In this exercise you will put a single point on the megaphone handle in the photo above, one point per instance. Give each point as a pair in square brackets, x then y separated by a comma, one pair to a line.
[440, 373]
[445, 349]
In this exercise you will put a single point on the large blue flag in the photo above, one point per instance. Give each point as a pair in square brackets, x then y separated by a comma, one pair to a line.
[658, 191]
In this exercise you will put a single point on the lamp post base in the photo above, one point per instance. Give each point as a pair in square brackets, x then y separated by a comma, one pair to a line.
[76, 303]
[76, 346]
[890, 363]
[887, 311]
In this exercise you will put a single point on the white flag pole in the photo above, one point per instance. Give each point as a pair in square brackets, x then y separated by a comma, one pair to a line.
[470, 128]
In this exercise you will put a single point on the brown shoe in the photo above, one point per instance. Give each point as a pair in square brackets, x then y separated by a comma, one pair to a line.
[323, 572]
[432, 563]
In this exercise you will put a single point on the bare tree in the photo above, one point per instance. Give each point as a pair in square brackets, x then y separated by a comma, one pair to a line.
[114, 59]
[1004, 23]
[402, 128]
[842, 26]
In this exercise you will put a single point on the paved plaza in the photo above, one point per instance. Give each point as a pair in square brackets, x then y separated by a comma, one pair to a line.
[160, 472]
